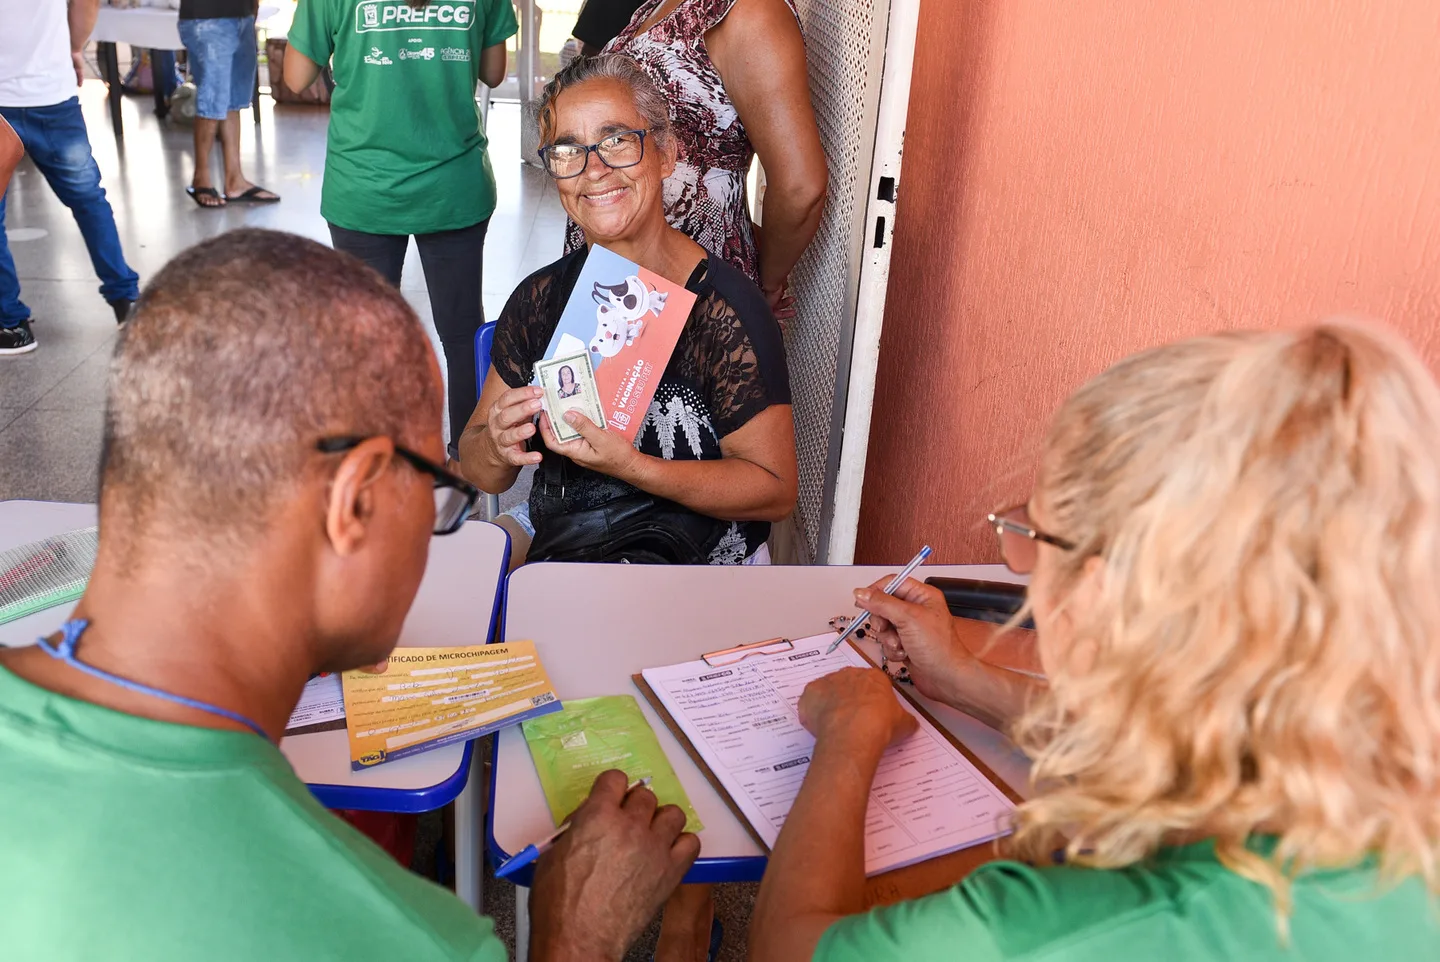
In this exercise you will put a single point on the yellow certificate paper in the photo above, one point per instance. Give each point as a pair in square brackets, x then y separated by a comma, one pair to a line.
[428, 697]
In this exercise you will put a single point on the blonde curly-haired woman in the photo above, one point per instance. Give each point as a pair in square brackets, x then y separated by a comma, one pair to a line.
[1234, 544]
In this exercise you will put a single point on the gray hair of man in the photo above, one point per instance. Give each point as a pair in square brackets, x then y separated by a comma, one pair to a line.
[242, 353]
[649, 100]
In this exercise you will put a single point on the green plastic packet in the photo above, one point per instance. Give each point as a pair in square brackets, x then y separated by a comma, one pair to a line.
[591, 735]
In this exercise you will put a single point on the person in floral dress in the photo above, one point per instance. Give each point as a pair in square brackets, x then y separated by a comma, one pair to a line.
[734, 72]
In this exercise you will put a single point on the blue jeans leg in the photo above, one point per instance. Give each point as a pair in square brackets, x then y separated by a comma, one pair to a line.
[162, 71]
[12, 309]
[56, 141]
[223, 62]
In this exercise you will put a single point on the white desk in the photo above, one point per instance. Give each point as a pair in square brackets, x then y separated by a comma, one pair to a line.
[597, 625]
[456, 605]
[152, 28]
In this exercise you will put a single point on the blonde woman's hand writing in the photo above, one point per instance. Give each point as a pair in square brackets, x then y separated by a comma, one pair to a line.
[915, 629]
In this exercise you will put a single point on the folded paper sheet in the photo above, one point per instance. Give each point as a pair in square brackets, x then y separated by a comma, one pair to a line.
[428, 697]
[321, 707]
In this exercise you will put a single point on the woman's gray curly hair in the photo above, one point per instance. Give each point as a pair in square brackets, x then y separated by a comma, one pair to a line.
[649, 100]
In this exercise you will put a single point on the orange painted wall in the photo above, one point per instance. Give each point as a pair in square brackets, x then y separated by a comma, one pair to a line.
[1082, 180]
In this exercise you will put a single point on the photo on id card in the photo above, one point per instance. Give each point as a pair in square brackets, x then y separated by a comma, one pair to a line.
[569, 384]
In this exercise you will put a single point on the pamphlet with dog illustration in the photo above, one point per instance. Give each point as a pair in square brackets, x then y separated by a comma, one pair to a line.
[627, 320]
[427, 697]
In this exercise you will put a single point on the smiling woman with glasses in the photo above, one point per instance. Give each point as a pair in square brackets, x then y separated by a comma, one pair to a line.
[735, 74]
[617, 151]
[1232, 547]
[714, 461]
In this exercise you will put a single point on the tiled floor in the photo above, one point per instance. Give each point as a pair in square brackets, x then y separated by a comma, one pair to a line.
[51, 401]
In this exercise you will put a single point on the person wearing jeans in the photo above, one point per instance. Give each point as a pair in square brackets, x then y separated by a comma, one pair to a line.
[406, 153]
[163, 73]
[219, 36]
[40, 68]
[11, 150]
[12, 341]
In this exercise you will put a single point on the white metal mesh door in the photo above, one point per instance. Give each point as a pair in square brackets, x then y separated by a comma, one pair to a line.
[846, 47]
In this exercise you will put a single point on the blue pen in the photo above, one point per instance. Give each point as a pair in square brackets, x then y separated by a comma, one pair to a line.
[890, 589]
[530, 853]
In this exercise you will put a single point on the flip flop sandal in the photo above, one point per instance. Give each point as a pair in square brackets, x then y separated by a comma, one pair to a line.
[197, 192]
[252, 196]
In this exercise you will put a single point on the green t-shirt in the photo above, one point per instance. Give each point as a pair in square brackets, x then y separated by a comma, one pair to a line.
[1181, 906]
[407, 150]
[127, 839]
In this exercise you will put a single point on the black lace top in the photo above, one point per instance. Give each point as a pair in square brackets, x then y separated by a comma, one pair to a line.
[728, 366]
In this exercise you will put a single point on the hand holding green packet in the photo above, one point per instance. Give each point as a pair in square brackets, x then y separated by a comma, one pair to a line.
[592, 735]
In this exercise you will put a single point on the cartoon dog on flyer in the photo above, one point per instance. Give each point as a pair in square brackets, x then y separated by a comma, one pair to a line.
[620, 314]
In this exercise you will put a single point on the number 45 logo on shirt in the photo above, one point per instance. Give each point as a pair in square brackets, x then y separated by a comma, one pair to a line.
[379, 15]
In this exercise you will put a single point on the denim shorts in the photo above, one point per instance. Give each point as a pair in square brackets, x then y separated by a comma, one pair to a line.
[222, 59]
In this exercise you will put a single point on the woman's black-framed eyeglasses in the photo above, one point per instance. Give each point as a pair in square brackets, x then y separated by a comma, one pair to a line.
[455, 497]
[1019, 538]
[618, 151]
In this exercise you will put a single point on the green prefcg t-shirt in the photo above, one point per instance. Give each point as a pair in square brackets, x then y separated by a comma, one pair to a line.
[407, 148]
[131, 840]
[1180, 906]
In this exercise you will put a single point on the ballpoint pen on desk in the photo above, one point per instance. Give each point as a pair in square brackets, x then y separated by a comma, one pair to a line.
[532, 852]
[890, 589]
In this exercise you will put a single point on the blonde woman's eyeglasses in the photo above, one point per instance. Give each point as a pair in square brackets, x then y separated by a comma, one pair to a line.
[1019, 538]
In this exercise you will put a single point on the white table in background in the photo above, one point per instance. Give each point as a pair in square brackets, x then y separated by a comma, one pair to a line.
[456, 605]
[595, 626]
[150, 28]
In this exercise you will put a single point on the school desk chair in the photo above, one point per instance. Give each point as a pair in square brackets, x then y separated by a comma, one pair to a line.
[484, 338]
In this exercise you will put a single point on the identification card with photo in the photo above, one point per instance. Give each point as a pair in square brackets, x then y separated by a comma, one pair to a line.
[569, 384]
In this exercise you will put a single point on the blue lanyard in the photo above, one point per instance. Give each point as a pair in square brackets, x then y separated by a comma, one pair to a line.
[65, 652]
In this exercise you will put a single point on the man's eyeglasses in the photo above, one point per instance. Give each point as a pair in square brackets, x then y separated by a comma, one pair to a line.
[1018, 539]
[618, 151]
[455, 497]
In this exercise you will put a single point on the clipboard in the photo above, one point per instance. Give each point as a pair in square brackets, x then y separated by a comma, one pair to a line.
[689, 746]
[911, 881]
